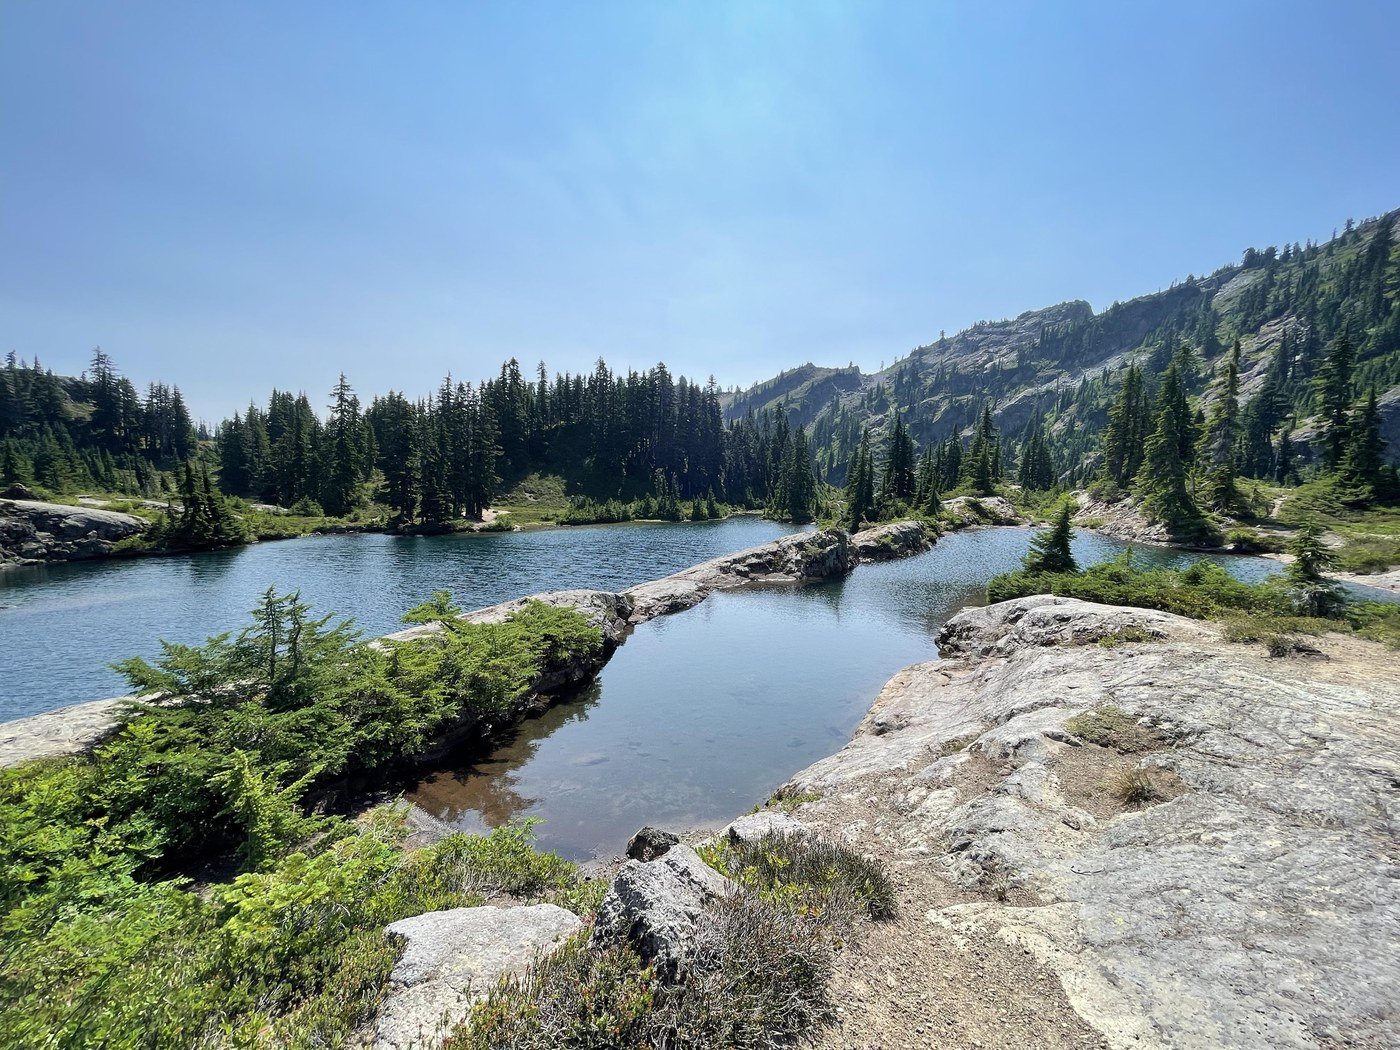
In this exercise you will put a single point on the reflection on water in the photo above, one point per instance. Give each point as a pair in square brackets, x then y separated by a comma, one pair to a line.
[700, 715]
[61, 626]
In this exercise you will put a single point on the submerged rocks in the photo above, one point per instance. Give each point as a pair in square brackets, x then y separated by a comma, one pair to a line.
[452, 958]
[897, 539]
[801, 556]
[32, 532]
[656, 906]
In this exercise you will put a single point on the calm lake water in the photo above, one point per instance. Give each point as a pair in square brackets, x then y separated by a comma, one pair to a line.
[61, 626]
[696, 719]
[699, 716]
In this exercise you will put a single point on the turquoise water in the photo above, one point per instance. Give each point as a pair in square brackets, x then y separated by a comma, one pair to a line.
[61, 626]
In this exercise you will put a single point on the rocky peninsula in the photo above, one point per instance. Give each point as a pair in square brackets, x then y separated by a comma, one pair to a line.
[801, 557]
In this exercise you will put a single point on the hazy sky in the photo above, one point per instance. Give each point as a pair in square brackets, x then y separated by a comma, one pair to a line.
[241, 195]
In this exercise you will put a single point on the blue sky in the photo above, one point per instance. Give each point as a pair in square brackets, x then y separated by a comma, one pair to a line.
[238, 196]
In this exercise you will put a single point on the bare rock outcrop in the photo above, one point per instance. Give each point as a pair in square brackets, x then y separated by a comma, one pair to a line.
[964, 512]
[453, 958]
[656, 905]
[32, 532]
[1197, 841]
[896, 539]
[791, 559]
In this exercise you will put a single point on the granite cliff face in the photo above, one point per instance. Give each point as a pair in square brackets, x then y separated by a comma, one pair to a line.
[1196, 843]
[32, 532]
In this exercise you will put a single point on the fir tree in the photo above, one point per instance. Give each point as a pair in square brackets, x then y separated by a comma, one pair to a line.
[860, 485]
[1218, 444]
[1333, 384]
[1162, 480]
[1050, 549]
[1365, 446]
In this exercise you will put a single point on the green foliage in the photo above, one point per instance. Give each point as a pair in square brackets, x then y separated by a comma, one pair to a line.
[808, 874]
[1050, 549]
[1314, 595]
[1113, 728]
[757, 978]
[1201, 591]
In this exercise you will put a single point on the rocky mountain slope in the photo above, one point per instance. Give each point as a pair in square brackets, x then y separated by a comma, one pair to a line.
[1054, 360]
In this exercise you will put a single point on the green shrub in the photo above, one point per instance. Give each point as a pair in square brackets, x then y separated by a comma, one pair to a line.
[808, 874]
[757, 977]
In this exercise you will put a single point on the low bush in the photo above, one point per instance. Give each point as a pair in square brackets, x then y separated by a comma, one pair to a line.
[808, 875]
[757, 977]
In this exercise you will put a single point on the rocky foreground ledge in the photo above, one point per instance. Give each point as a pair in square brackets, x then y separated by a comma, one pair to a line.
[1111, 827]
[801, 557]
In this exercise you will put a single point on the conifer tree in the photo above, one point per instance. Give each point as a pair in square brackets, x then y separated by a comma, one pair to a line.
[898, 481]
[1050, 549]
[1128, 427]
[1218, 444]
[1162, 480]
[1333, 384]
[1363, 461]
[1313, 593]
[860, 484]
[1035, 471]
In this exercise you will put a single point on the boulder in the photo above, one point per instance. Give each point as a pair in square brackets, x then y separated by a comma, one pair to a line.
[753, 826]
[656, 905]
[1042, 619]
[895, 539]
[453, 958]
[965, 511]
[650, 843]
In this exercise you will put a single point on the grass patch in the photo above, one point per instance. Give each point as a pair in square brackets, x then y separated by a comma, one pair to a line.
[1113, 728]
[1134, 788]
[958, 743]
[1125, 635]
[788, 799]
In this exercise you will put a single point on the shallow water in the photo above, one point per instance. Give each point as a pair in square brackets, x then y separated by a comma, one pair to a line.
[61, 626]
[699, 716]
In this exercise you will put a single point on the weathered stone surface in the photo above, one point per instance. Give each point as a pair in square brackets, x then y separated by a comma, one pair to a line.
[896, 539]
[656, 905]
[1259, 907]
[801, 556]
[650, 843]
[66, 731]
[1047, 620]
[452, 958]
[31, 531]
[966, 511]
[753, 826]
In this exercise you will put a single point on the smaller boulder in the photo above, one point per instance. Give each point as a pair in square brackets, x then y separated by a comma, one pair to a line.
[656, 906]
[650, 843]
[17, 491]
[753, 826]
[452, 958]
